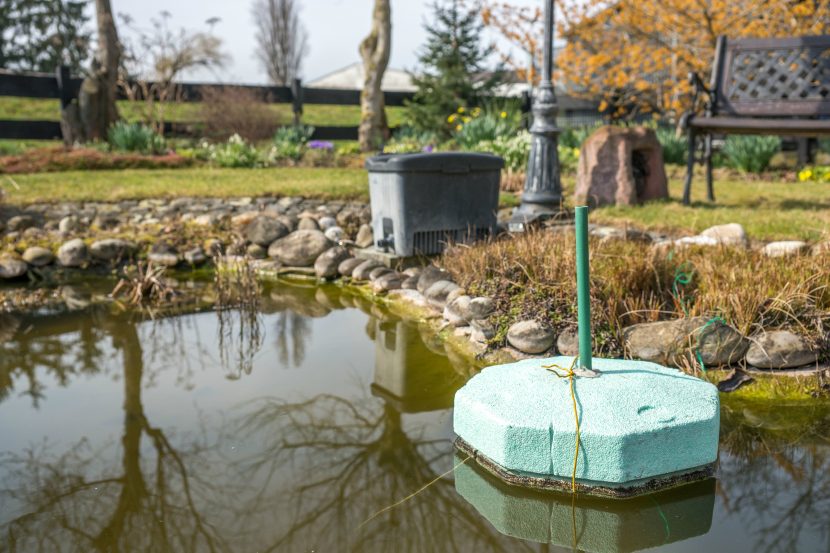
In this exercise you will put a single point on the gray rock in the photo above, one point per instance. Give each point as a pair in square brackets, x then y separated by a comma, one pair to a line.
[349, 218]
[785, 248]
[163, 258]
[779, 349]
[106, 221]
[255, 251]
[379, 272]
[264, 230]
[429, 276]
[387, 282]
[414, 271]
[38, 257]
[457, 312]
[365, 237]
[326, 223]
[731, 234]
[673, 342]
[483, 330]
[410, 283]
[12, 267]
[328, 262]
[195, 256]
[693, 241]
[112, 249]
[19, 223]
[567, 343]
[308, 223]
[607, 233]
[530, 337]
[335, 234]
[481, 308]
[437, 294]
[301, 248]
[349, 265]
[362, 271]
[73, 253]
[70, 223]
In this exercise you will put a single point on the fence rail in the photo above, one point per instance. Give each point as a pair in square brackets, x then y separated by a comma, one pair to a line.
[62, 86]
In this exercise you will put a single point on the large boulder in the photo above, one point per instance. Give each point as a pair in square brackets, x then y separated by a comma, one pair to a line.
[671, 342]
[300, 248]
[621, 165]
[264, 230]
[530, 337]
[73, 253]
[780, 349]
[12, 267]
[38, 257]
[112, 249]
[326, 265]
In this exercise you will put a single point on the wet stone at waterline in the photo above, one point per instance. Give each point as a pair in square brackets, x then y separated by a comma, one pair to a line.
[234, 428]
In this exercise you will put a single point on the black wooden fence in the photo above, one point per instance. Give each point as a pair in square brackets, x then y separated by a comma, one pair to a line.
[65, 88]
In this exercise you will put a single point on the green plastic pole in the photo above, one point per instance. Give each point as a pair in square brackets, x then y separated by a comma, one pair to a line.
[583, 295]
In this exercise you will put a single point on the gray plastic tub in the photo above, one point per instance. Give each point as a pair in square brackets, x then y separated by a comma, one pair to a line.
[422, 202]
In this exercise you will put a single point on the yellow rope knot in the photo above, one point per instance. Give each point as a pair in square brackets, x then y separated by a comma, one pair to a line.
[570, 374]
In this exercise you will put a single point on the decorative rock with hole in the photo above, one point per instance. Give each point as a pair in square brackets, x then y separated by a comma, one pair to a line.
[642, 426]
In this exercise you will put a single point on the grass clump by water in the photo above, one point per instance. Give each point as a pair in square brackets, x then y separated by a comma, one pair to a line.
[532, 276]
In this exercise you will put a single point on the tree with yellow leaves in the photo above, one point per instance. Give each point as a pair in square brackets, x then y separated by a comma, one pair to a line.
[635, 55]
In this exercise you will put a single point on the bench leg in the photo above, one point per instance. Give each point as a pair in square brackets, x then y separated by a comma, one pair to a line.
[690, 168]
[710, 189]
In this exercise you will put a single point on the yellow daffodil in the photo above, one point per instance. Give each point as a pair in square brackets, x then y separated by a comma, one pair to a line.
[451, 118]
[503, 115]
[461, 109]
[459, 127]
[476, 112]
[465, 120]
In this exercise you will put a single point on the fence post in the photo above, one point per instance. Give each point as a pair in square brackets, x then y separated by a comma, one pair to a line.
[297, 100]
[64, 89]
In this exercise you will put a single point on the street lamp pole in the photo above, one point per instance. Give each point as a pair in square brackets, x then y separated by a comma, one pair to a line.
[542, 194]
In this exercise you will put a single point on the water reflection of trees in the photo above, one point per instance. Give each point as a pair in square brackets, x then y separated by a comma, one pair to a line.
[73, 502]
[773, 473]
[356, 459]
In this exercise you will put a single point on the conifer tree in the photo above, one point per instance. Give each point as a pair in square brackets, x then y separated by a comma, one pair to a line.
[452, 65]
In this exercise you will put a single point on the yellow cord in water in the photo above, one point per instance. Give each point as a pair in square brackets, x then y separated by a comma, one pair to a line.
[413, 494]
[570, 374]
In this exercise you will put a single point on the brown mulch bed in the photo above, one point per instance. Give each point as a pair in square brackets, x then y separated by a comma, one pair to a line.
[68, 159]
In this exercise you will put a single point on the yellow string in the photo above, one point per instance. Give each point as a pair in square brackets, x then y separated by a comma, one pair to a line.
[413, 494]
[570, 374]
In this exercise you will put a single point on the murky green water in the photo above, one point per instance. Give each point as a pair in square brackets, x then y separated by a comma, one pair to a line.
[295, 429]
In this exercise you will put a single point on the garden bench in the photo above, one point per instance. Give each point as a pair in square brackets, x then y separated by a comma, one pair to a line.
[769, 86]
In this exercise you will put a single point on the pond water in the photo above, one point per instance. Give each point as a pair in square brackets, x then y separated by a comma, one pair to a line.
[303, 427]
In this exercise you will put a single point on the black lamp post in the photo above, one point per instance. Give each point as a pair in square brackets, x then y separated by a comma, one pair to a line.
[542, 194]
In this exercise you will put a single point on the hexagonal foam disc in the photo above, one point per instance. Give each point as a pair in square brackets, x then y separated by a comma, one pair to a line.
[639, 421]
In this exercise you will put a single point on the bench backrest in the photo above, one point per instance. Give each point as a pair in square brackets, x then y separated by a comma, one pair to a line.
[772, 77]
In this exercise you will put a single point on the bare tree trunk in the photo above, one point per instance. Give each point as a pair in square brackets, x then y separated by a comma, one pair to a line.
[95, 110]
[375, 50]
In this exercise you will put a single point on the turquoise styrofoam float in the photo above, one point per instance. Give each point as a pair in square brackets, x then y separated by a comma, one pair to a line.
[642, 426]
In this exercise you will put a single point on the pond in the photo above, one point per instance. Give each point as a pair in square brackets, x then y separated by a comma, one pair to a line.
[307, 426]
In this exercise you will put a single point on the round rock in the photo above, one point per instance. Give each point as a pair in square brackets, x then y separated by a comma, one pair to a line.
[300, 248]
[349, 265]
[12, 267]
[779, 349]
[327, 263]
[263, 230]
[38, 257]
[530, 337]
[73, 253]
[365, 237]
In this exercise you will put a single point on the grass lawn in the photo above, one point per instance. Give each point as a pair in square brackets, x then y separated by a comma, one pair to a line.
[45, 109]
[767, 210]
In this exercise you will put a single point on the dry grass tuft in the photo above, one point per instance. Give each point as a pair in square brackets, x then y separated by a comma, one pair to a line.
[533, 276]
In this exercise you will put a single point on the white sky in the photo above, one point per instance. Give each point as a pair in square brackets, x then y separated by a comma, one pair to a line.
[335, 29]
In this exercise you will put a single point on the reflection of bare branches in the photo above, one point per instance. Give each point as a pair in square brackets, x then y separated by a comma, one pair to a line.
[357, 459]
[789, 452]
[240, 339]
[65, 507]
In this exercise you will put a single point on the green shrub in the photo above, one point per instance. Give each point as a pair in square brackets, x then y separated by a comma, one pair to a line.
[350, 148]
[750, 154]
[135, 137]
[514, 149]
[235, 153]
[675, 148]
[478, 125]
[295, 134]
[573, 137]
